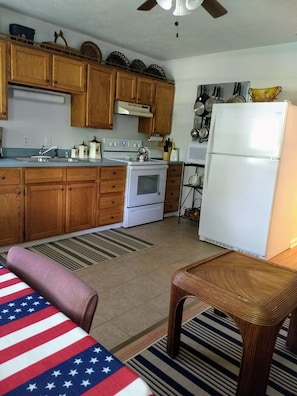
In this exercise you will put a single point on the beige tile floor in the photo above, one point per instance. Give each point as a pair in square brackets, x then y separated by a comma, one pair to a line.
[134, 289]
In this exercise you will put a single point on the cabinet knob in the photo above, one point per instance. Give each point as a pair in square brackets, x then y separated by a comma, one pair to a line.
[3, 177]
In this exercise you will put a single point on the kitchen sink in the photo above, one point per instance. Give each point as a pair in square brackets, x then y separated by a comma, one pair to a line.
[44, 158]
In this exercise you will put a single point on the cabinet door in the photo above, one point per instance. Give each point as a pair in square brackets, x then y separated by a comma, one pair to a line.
[11, 215]
[44, 213]
[163, 110]
[3, 81]
[145, 91]
[80, 206]
[68, 74]
[126, 87]
[29, 66]
[94, 109]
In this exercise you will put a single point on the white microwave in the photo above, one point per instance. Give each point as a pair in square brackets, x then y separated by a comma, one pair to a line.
[196, 153]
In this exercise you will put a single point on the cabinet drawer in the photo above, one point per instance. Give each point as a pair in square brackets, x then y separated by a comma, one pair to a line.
[44, 175]
[173, 182]
[174, 170]
[170, 206]
[112, 186]
[10, 176]
[172, 195]
[81, 174]
[113, 172]
[110, 216]
[111, 201]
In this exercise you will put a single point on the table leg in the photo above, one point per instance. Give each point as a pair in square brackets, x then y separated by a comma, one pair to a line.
[258, 346]
[177, 299]
[292, 333]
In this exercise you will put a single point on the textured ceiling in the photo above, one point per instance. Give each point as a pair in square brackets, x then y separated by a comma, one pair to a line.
[248, 23]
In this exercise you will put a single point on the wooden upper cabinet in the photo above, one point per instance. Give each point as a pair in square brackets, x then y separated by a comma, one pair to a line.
[3, 80]
[40, 68]
[29, 66]
[94, 109]
[126, 87]
[163, 110]
[135, 89]
[146, 91]
[68, 74]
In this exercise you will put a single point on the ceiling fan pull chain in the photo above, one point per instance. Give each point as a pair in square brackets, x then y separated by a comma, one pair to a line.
[176, 23]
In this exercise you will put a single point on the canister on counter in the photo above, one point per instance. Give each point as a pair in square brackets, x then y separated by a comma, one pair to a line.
[82, 151]
[95, 149]
[74, 152]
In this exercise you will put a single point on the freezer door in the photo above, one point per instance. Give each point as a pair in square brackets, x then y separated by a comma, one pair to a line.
[237, 202]
[252, 129]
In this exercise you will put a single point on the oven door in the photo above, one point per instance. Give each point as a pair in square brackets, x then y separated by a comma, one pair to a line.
[145, 184]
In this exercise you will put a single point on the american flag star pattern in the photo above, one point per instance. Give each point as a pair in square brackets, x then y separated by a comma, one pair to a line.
[42, 352]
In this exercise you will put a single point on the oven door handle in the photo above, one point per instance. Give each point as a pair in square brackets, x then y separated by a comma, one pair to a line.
[148, 167]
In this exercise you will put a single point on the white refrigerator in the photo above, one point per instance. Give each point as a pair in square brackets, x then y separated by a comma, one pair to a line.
[249, 201]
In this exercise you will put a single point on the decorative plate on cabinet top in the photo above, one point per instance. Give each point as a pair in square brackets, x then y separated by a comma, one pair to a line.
[156, 70]
[117, 58]
[137, 65]
[91, 50]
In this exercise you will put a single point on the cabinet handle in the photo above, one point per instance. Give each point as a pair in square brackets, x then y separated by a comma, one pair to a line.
[114, 173]
[112, 202]
[113, 186]
[3, 177]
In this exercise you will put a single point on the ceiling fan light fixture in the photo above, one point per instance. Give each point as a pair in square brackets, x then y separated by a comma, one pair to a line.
[165, 4]
[193, 4]
[180, 8]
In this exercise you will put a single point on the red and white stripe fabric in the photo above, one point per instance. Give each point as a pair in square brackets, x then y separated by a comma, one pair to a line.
[43, 352]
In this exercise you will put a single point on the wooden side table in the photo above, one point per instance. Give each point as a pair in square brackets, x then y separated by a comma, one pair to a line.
[256, 294]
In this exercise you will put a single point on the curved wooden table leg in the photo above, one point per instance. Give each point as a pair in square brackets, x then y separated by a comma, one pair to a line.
[258, 346]
[292, 333]
[177, 299]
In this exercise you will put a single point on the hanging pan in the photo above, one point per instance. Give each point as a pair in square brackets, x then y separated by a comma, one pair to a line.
[199, 106]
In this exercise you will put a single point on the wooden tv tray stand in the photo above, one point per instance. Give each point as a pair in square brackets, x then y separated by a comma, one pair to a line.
[256, 294]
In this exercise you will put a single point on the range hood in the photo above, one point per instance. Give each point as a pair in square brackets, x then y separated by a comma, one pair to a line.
[132, 109]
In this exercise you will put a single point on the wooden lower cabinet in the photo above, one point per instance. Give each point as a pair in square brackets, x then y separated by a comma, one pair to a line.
[111, 195]
[37, 203]
[44, 211]
[172, 191]
[80, 206]
[44, 202]
[11, 206]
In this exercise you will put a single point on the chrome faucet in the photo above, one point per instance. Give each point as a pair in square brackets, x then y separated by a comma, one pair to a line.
[43, 152]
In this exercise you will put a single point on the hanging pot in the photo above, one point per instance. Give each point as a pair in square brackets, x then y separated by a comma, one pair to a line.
[203, 134]
[232, 99]
[211, 101]
[199, 106]
[239, 97]
[195, 133]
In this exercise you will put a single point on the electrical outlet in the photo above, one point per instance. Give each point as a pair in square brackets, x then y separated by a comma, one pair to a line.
[26, 141]
[48, 141]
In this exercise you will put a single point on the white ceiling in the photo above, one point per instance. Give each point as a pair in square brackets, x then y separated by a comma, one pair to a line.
[248, 24]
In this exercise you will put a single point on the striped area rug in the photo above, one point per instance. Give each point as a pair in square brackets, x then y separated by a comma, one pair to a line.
[208, 361]
[82, 251]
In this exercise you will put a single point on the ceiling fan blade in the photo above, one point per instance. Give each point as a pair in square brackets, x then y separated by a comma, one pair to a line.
[214, 8]
[147, 5]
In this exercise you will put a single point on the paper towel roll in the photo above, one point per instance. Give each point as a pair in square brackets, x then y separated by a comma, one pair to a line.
[155, 139]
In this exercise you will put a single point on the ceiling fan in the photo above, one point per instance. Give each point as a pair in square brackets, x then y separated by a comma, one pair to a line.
[213, 7]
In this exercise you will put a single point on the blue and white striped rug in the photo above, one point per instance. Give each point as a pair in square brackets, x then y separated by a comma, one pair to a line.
[83, 251]
[208, 361]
